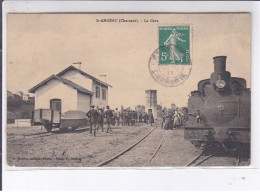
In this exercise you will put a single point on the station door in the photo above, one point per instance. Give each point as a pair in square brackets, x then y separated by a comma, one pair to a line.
[55, 104]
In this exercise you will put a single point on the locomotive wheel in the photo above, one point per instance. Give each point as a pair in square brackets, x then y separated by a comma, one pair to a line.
[228, 146]
[196, 144]
[242, 149]
[48, 126]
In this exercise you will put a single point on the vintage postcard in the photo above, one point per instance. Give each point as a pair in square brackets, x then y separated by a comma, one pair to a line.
[128, 90]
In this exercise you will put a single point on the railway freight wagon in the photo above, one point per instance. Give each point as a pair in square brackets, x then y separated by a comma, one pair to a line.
[53, 118]
[219, 111]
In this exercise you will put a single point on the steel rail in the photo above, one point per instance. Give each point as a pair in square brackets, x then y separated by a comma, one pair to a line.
[248, 162]
[196, 164]
[238, 161]
[35, 134]
[155, 151]
[194, 159]
[127, 149]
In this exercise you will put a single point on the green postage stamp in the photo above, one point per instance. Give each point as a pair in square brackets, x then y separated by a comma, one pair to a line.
[174, 45]
[170, 65]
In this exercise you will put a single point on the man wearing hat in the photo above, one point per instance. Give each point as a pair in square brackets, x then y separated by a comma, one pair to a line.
[127, 118]
[108, 115]
[150, 117]
[93, 115]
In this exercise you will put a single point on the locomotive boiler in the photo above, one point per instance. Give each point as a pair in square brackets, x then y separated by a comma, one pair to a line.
[219, 111]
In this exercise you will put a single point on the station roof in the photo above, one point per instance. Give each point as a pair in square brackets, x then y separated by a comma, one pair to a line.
[83, 73]
[64, 81]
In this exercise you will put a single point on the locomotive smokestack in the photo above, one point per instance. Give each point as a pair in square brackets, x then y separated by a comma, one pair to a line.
[220, 64]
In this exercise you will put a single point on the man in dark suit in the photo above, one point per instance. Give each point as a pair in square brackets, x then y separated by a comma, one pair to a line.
[93, 115]
[140, 117]
[150, 118]
[100, 119]
[109, 116]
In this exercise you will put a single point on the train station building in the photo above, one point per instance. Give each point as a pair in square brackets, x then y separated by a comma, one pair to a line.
[70, 90]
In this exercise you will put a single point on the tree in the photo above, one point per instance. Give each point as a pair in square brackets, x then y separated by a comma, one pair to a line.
[165, 109]
[140, 108]
[15, 101]
[173, 106]
[159, 107]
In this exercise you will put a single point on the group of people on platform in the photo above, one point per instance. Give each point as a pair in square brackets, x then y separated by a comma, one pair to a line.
[173, 119]
[113, 117]
[170, 119]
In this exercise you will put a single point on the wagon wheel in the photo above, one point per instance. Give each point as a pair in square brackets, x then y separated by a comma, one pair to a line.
[48, 126]
[32, 123]
[74, 128]
[62, 129]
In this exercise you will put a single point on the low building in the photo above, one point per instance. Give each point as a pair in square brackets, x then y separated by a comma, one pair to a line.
[71, 89]
[26, 97]
[19, 93]
[31, 99]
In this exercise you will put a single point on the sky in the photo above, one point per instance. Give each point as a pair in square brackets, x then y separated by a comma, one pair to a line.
[39, 45]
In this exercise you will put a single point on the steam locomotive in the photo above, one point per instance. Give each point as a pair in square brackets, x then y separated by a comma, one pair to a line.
[219, 111]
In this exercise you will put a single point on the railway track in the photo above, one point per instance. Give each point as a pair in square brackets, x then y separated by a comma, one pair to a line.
[134, 145]
[238, 160]
[199, 159]
[38, 134]
[150, 159]
[242, 161]
[33, 135]
[46, 133]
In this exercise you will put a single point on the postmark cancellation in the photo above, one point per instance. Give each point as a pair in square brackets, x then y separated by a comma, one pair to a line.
[170, 64]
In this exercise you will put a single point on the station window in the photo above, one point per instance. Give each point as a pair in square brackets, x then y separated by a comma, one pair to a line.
[104, 94]
[97, 92]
